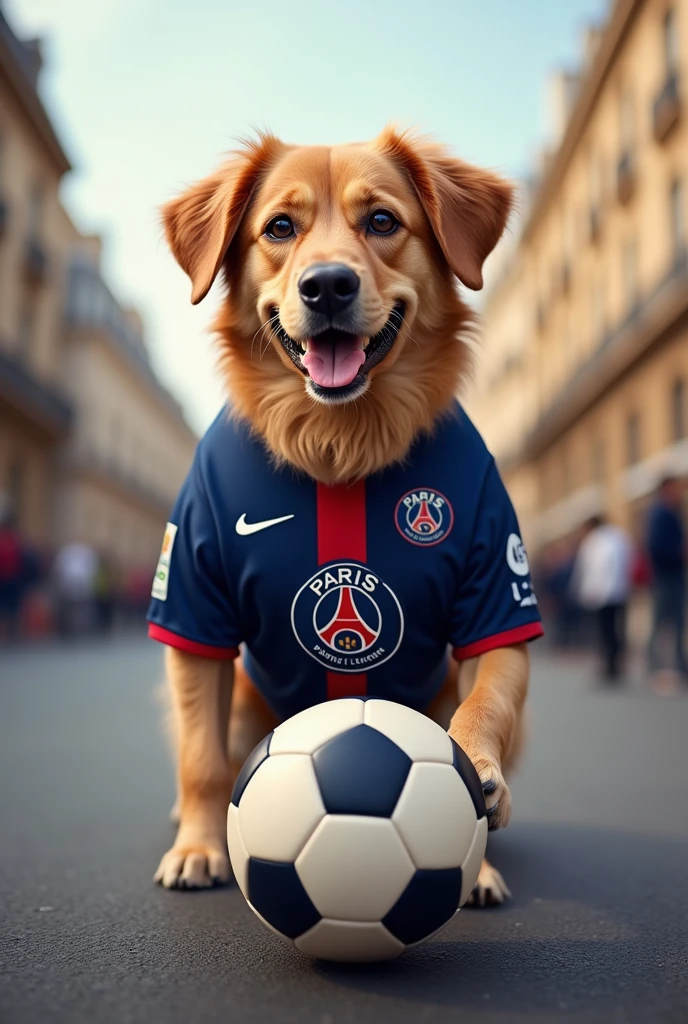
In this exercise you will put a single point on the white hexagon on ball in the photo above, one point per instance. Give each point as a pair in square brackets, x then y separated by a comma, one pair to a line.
[348, 941]
[435, 816]
[308, 730]
[280, 807]
[419, 737]
[354, 868]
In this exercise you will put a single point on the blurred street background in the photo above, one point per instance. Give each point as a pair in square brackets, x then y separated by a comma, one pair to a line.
[580, 389]
[581, 377]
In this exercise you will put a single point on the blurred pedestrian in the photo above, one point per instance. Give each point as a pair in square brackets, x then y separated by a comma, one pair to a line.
[601, 583]
[666, 548]
[12, 576]
[75, 574]
[104, 594]
[555, 574]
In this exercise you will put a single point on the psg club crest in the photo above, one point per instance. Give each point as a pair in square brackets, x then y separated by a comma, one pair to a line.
[347, 618]
[424, 516]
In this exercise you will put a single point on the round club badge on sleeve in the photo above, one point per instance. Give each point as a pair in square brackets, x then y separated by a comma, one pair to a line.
[423, 516]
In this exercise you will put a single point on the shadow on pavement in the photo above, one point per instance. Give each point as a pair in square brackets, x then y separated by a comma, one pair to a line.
[595, 926]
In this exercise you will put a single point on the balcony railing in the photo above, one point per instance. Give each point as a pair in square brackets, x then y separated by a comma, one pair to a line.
[45, 407]
[666, 109]
[625, 178]
[111, 473]
[35, 262]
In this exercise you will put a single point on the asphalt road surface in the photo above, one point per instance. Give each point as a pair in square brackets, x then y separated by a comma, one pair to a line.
[597, 858]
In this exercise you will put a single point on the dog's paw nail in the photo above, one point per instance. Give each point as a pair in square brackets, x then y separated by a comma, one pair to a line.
[489, 786]
[491, 822]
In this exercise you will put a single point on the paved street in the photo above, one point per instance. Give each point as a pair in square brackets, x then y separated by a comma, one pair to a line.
[597, 858]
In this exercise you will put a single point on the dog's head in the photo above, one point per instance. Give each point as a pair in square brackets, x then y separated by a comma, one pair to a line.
[342, 258]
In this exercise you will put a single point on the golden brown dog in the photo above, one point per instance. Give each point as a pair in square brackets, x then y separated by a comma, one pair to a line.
[407, 218]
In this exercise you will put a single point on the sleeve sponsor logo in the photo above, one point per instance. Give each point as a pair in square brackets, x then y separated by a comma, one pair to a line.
[516, 556]
[517, 560]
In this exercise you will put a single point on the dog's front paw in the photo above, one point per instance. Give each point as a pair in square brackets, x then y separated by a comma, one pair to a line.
[196, 866]
[496, 791]
[489, 889]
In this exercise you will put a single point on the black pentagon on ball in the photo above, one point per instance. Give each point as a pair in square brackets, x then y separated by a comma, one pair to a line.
[361, 771]
[464, 767]
[276, 892]
[250, 767]
[427, 902]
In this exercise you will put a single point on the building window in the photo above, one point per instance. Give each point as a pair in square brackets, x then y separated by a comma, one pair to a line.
[676, 215]
[679, 419]
[633, 439]
[36, 197]
[670, 39]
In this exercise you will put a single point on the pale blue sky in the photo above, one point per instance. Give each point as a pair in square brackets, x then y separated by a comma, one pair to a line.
[147, 94]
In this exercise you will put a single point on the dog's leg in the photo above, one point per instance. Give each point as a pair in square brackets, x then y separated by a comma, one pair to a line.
[488, 724]
[250, 720]
[201, 694]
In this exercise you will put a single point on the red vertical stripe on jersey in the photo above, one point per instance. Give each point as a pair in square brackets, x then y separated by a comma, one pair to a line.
[342, 523]
[341, 512]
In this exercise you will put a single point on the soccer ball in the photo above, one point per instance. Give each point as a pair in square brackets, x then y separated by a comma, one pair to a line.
[356, 829]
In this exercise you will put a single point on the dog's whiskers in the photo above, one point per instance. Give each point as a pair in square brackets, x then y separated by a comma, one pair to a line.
[261, 330]
[400, 317]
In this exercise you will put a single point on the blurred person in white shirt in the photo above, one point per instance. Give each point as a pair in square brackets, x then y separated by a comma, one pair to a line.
[74, 572]
[601, 583]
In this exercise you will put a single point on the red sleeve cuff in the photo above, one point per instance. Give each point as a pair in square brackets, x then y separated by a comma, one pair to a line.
[519, 635]
[165, 636]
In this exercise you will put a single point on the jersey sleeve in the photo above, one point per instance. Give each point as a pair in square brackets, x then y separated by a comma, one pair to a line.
[191, 606]
[495, 605]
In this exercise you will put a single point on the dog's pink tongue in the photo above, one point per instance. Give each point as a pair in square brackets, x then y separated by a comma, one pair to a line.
[333, 362]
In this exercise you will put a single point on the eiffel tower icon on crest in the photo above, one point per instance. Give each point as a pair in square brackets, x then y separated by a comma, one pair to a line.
[347, 631]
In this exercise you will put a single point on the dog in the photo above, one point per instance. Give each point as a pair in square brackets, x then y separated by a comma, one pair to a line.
[343, 470]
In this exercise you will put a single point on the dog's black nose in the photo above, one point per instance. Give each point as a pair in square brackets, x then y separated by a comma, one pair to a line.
[328, 287]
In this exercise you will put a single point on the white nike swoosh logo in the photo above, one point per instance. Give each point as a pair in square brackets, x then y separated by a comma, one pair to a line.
[245, 529]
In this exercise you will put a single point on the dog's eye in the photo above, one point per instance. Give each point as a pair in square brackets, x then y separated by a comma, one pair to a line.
[382, 222]
[280, 227]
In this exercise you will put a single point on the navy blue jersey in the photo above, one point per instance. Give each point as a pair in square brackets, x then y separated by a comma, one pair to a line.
[343, 590]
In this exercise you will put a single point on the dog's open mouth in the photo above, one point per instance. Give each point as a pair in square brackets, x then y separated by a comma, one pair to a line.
[337, 362]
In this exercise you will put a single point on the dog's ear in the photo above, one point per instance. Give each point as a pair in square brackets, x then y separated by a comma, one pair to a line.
[201, 222]
[466, 206]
